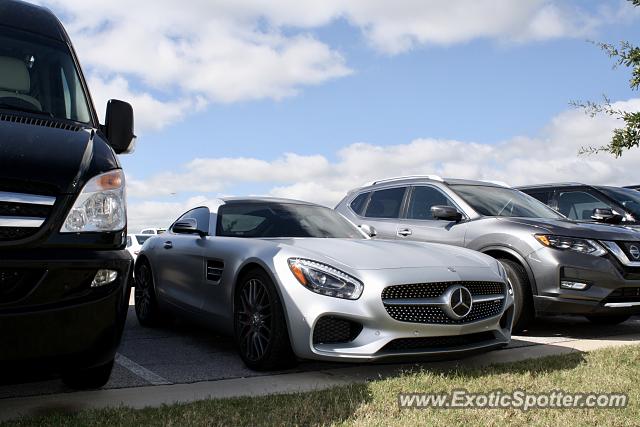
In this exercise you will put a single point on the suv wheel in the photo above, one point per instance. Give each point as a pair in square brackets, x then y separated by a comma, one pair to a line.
[608, 319]
[524, 313]
[91, 378]
[260, 329]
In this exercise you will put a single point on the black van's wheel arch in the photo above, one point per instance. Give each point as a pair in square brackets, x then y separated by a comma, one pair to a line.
[91, 378]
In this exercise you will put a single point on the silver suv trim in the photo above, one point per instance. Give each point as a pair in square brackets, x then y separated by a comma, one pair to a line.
[619, 253]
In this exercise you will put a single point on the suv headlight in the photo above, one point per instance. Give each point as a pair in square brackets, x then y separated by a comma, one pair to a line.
[325, 280]
[584, 246]
[100, 206]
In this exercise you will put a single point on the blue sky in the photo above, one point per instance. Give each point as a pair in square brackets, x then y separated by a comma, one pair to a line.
[469, 92]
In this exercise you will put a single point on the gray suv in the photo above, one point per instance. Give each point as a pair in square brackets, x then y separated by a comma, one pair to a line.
[555, 265]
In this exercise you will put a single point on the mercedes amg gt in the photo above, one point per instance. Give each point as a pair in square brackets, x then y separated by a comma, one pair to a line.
[290, 279]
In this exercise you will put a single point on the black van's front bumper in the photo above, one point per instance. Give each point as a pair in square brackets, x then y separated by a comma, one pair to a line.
[52, 319]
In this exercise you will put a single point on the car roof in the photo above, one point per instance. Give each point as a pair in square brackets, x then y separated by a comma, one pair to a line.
[32, 18]
[413, 179]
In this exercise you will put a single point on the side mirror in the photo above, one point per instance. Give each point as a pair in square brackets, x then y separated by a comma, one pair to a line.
[606, 215]
[119, 126]
[446, 213]
[187, 226]
[369, 230]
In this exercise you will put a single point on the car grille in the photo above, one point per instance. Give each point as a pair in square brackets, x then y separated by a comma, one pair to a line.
[402, 302]
[436, 343]
[22, 215]
[17, 283]
[623, 295]
[331, 330]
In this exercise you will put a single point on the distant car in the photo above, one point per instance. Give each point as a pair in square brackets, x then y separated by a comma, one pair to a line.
[633, 187]
[135, 242]
[590, 203]
[556, 266]
[291, 278]
[153, 230]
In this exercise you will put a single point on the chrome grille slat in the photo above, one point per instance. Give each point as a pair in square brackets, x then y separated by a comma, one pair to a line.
[27, 199]
[23, 214]
[18, 221]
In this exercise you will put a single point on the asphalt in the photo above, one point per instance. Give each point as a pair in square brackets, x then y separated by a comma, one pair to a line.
[184, 362]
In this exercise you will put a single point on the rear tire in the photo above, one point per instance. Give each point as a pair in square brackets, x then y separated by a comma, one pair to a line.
[524, 312]
[608, 319]
[91, 378]
[260, 328]
[146, 302]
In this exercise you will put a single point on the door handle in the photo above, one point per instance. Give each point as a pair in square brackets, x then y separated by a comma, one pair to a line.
[404, 232]
[168, 244]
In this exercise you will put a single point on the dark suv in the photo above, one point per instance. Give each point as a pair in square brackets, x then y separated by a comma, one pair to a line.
[64, 273]
[555, 265]
[591, 203]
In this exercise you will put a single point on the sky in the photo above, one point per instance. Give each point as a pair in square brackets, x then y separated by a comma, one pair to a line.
[309, 99]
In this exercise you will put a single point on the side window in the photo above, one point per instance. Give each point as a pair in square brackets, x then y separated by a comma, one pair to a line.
[422, 199]
[579, 205]
[129, 241]
[543, 196]
[357, 204]
[201, 215]
[386, 203]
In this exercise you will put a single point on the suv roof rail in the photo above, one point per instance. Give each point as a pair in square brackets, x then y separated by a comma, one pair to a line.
[402, 178]
[500, 183]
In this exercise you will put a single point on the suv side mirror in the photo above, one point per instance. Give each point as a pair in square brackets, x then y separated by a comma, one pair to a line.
[187, 226]
[446, 213]
[369, 230]
[119, 126]
[606, 215]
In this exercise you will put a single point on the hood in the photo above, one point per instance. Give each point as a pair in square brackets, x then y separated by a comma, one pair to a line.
[570, 228]
[44, 159]
[388, 254]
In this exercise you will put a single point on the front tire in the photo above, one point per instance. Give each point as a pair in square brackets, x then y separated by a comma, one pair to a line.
[524, 312]
[87, 379]
[146, 302]
[260, 329]
[608, 319]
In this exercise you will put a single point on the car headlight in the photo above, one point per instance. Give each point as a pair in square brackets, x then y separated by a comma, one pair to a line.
[584, 246]
[325, 280]
[100, 206]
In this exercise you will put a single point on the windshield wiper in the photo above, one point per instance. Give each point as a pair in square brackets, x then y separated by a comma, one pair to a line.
[7, 106]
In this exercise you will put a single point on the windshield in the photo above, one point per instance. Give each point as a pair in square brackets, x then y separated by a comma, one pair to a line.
[38, 76]
[282, 220]
[629, 199]
[507, 202]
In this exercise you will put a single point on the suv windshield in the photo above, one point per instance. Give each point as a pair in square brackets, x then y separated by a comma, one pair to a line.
[38, 76]
[500, 201]
[630, 199]
[282, 220]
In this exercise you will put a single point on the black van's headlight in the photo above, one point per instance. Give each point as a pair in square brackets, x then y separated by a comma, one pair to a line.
[100, 206]
[324, 279]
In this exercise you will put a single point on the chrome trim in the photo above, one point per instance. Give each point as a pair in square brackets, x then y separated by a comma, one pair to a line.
[29, 199]
[622, 304]
[442, 300]
[26, 222]
[619, 253]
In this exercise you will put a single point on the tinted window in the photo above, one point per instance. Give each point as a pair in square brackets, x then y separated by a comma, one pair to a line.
[386, 203]
[422, 199]
[142, 239]
[628, 198]
[543, 196]
[579, 204]
[501, 201]
[282, 220]
[357, 205]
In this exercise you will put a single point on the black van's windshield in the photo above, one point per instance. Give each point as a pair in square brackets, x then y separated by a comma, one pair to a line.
[628, 198]
[500, 201]
[38, 76]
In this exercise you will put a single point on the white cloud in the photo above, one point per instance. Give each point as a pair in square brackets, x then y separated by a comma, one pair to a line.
[550, 156]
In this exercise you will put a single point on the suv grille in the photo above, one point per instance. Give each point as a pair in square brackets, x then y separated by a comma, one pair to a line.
[402, 302]
[22, 215]
[437, 343]
[623, 295]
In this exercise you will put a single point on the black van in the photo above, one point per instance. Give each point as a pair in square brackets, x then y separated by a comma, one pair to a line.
[65, 276]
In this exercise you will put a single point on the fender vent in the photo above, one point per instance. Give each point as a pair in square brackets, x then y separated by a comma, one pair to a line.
[214, 270]
[25, 120]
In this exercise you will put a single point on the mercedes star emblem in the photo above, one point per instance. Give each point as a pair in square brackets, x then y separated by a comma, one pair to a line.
[459, 302]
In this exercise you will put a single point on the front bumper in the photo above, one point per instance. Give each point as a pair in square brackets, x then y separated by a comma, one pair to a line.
[605, 275]
[54, 320]
[381, 337]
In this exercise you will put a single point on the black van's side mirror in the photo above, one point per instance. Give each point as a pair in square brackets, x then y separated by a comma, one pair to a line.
[606, 215]
[446, 213]
[119, 126]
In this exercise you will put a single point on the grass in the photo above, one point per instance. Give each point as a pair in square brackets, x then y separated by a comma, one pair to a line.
[375, 403]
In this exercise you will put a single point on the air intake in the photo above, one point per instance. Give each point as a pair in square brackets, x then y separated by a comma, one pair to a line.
[214, 270]
[25, 120]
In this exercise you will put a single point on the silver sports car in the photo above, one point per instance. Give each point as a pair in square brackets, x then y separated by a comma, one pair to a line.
[289, 278]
